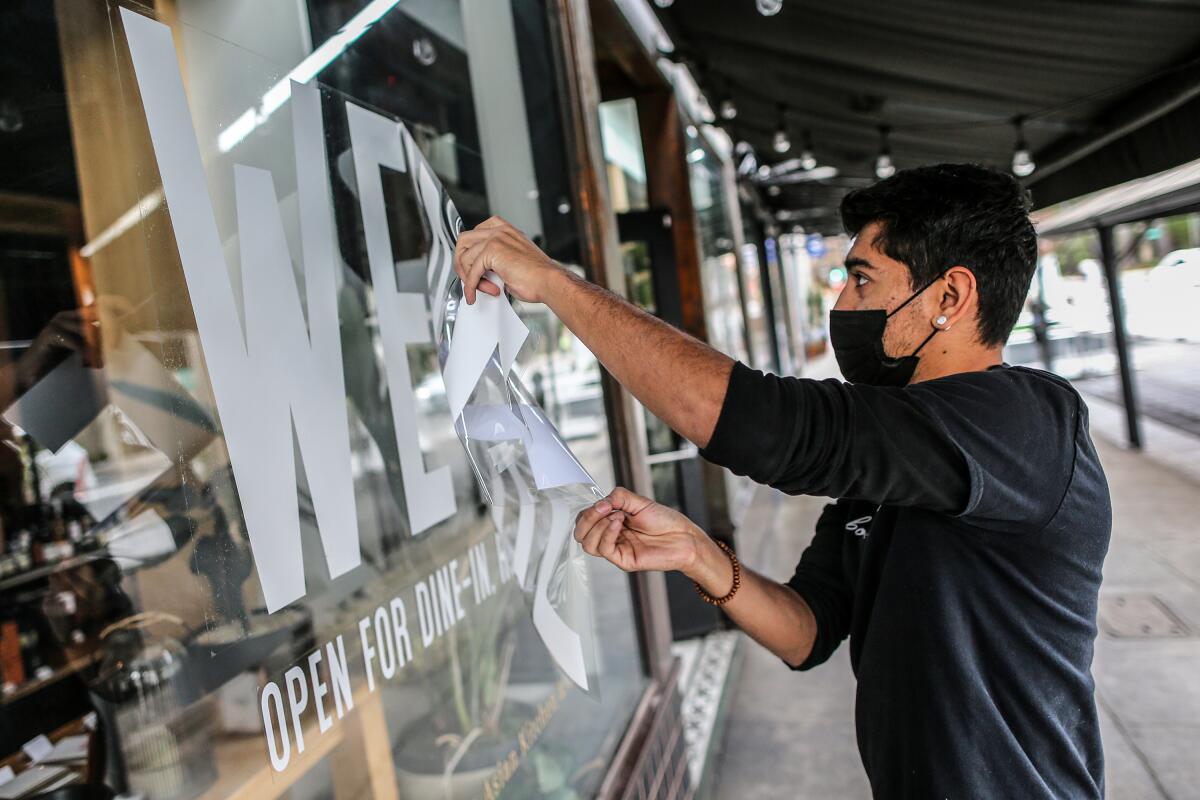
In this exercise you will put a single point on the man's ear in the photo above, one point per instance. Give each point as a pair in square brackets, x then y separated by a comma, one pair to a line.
[958, 297]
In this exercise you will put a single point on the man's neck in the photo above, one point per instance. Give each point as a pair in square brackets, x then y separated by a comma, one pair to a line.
[975, 359]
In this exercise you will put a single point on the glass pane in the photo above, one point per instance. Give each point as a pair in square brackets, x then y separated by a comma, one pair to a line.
[622, 142]
[757, 322]
[639, 276]
[134, 578]
[723, 309]
[1067, 319]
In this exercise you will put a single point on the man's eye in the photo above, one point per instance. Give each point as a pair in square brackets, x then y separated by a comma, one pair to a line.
[860, 279]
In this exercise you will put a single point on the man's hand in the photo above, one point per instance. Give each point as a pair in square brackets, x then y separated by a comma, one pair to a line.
[498, 247]
[681, 381]
[638, 534]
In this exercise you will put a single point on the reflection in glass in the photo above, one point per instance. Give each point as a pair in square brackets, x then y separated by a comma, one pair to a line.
[127, 585]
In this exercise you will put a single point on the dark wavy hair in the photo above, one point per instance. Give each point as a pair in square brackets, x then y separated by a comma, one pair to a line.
[933, 218]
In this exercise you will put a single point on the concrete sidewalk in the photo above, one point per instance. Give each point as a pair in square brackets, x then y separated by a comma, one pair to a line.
[792, 735]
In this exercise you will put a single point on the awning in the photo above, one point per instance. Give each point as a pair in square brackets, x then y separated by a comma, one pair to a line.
[1110, 91]
[1174, 191]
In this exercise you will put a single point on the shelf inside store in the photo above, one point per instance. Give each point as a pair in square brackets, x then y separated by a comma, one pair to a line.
[35, 573]
[35, 685]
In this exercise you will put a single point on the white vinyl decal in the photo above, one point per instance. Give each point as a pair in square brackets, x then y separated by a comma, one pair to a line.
[403, 320]
[281, 375]
[560, 640]
[279, 368]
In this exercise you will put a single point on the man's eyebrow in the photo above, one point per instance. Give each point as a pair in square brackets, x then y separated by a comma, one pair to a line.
[861, 263]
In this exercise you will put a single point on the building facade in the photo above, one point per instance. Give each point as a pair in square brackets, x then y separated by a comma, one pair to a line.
[245, 551]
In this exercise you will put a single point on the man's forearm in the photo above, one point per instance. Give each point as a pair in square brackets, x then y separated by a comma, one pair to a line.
[771, 613]
[680, 379]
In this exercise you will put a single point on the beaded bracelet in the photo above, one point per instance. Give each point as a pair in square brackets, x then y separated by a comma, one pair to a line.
[737, 579]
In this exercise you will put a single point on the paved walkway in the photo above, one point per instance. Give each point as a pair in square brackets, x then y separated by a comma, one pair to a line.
[792, 735]
[1167, 380]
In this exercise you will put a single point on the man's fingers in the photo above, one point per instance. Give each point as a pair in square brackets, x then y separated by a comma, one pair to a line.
[473, 269]
[492, 222]
[474, 251]
[487, 287]
[460, 252]
[592, 538]
[468, 252]
[474, 276]
[625, 500]
[607, 546]
[584, 522]
[471, 239]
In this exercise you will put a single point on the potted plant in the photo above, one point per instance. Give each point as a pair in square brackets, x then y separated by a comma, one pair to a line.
[451, 751]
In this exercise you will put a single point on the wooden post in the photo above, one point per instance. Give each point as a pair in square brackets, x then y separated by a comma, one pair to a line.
[668, 186]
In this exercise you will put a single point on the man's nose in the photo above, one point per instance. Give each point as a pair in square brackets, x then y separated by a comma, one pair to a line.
[845, 300]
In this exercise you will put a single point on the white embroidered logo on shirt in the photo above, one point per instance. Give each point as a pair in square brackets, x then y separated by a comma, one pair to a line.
[859, 526]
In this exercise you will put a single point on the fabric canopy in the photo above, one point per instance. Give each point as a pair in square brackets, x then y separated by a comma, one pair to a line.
[1110, 90]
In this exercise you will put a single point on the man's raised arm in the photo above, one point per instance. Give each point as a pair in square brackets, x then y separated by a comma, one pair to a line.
[680, 379]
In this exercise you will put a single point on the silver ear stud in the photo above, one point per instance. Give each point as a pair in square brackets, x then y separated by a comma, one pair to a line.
[940, 320]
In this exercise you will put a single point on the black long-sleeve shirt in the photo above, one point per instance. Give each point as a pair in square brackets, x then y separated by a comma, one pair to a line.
[963, 559]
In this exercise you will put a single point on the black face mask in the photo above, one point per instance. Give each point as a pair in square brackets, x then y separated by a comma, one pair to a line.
[857, 339]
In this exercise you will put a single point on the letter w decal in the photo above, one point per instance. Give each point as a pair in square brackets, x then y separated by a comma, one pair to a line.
[281, 375]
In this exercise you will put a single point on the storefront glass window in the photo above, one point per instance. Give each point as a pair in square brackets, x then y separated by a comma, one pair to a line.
[723, 305]
[622, 141]
[133, 609]
[757, 319]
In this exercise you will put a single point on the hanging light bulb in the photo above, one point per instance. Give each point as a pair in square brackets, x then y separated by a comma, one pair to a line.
[764, 171]
[780, 142]
[1022, 162]
[769, 8]
[884, 168]
[774, 191]
[727, 109]
[424, 51]
[807, 159]
[664, 3]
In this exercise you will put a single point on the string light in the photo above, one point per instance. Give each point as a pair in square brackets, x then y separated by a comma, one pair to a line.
[769, 8]
[1022, 161]
[1022, 165]
[727, 109]
[884, 168]
[807, 159]
[749, 162]
[780, 142]
[664, 3]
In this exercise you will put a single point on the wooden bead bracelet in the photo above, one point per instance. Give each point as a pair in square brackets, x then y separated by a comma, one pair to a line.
[737, 579]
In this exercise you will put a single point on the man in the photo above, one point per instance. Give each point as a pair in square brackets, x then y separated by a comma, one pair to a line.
[963, 554]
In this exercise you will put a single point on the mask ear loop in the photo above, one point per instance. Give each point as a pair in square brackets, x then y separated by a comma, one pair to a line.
[932, 333]
[912, 297]
[917, 294]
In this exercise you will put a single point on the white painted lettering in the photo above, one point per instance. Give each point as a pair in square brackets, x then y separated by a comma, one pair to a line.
[400, 629]
[297, 692]
[456, 589]
[387, 646]
[426, 614]
[324, 723]
[279, 746]
[368, 652]
[339, 676]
